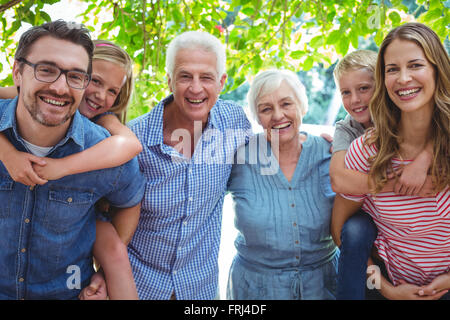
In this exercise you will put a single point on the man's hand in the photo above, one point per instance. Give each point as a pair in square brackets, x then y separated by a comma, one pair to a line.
[96, 290]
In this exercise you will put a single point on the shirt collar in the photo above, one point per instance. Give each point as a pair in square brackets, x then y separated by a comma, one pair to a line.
[75, 131]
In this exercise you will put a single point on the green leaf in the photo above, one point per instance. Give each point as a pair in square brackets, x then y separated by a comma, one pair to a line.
[297, 54]
[316, 42]
[308, 64]
[378, 37]
[333, 37]
[395, 18]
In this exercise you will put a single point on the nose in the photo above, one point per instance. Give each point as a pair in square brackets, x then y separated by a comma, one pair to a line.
[60, 86]
[355, 98]
[403, 76]
[196, 86]
[277, 114]
[100, 94]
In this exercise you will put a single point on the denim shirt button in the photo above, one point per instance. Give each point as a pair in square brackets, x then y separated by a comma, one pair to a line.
[21, 279]
[69, 199]
[27, 220]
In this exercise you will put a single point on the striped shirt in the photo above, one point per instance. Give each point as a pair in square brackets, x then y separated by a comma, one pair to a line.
[176, 244]
[413, 232]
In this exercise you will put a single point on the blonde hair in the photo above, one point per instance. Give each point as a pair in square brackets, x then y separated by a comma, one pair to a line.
[108, 51]
[356, 60]
[386, 115]
[268, 81]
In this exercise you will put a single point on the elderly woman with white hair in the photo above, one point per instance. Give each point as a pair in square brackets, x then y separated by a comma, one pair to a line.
[284, 246]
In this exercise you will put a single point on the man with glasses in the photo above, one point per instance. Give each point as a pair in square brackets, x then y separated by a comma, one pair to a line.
[48, 230]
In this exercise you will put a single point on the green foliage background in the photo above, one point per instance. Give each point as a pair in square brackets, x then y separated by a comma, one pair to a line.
[306, 36]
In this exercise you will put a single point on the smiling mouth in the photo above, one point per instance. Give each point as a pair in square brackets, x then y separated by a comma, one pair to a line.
[53, 102]
[407, 93]
[282, 126]
[196, 101]
[92, 104]
[360, 109]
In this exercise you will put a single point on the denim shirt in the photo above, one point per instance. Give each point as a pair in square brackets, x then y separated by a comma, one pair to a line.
[47, 232]
[284, 246]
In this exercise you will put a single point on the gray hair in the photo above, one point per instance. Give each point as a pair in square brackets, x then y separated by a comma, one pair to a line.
[268, 81]
[196, 39]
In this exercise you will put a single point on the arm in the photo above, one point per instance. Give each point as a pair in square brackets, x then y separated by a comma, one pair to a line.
[8, 92]
[344, 180]
[114, 151]
[19, 164]
[414, 175]
[125, 221]
[342, 210]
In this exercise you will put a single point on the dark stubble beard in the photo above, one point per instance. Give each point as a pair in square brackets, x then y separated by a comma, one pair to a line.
[32, 107]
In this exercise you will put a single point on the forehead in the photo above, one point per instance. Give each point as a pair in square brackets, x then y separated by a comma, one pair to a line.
[65, 54]
[195, 60]
[354, 77]
[283, 91]
[403, 50]
[111, 73]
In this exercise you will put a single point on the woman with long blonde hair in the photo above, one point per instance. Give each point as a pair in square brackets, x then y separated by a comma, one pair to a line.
[411, 111]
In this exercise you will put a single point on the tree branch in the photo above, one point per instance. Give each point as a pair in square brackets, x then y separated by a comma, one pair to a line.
[8, 5]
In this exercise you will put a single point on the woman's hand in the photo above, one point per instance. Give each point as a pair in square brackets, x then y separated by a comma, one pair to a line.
[407, 291]
[440, 284]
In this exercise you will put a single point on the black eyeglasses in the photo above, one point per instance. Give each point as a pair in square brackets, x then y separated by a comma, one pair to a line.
[50, 73]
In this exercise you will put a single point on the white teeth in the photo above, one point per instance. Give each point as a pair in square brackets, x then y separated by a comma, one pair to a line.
[359, 109]
[51, 101]
[195, 101]
[281, 126]
[93, 105]
[406, 92]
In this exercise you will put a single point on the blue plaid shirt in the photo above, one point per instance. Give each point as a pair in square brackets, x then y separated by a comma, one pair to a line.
[176, 244]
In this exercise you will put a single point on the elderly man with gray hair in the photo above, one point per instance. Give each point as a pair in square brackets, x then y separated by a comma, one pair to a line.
[188, 140]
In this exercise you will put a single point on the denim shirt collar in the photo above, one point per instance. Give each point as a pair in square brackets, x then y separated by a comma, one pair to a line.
[75, 132]
[156, 135]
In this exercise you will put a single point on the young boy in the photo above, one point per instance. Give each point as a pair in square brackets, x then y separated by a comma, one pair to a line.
[354, 77]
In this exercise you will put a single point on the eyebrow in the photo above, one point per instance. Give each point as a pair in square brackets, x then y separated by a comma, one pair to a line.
[410, 61]
[54, 64]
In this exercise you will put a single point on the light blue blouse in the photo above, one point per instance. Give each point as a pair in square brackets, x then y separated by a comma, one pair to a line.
[284, 246]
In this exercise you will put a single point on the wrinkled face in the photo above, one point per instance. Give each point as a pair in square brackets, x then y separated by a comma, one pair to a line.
[409, 76]
[357, 87]
[278, 113]
[106, 83]
[196, 85]
[50, 104]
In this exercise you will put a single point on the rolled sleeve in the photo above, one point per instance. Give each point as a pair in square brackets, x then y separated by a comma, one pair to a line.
[130, 186]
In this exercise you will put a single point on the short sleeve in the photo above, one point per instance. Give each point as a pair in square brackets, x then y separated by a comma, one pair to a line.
[342, 138]
[129, 187]
[357, 158]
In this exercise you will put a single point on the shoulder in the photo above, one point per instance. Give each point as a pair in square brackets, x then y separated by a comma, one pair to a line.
[93, 133]
[229, 114]
[317, 144]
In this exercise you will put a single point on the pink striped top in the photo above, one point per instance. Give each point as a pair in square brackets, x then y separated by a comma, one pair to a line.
[413, 232]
